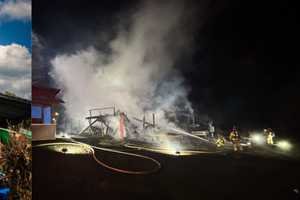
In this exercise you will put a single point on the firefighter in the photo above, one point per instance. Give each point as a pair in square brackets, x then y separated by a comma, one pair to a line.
[220, 142]
[211, 129]
[235, 139]
[269, 136]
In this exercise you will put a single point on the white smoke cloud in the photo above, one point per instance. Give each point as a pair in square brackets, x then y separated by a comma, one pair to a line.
[15, 9]
[137, 76]
[39, 61]
[15, 70]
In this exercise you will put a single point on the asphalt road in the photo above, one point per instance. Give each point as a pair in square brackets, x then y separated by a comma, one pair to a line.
[212, 176]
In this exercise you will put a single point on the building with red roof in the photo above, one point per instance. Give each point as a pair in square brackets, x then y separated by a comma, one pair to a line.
[43, 112]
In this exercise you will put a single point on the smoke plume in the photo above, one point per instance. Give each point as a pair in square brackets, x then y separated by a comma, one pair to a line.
[137, 73]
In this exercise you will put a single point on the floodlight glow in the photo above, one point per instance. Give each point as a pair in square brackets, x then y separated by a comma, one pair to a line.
[69, 148]
[284, 145]
[173, 148]
[258, 139]
[63, 135]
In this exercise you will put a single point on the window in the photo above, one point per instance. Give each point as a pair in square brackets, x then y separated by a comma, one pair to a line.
[36, 112]
[47, 115]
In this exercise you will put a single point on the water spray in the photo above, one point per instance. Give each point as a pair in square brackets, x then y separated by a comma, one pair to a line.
[187, 133]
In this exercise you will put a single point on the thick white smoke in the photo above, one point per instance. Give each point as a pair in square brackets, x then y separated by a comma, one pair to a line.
[138, 75]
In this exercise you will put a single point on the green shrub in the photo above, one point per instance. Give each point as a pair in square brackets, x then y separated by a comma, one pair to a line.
[16, 163]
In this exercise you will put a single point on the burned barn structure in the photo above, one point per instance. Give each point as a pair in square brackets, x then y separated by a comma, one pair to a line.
[111, 122]
[107, 121]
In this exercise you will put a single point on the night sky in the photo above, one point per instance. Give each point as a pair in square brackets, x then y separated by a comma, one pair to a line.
[241, 70]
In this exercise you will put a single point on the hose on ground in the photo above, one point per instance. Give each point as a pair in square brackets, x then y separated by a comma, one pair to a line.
[124, 171]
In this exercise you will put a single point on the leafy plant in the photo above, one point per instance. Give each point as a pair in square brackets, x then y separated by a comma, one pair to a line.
[17, 166]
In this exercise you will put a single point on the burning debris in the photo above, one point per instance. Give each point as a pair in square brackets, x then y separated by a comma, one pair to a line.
[170, 138]
[132, 130]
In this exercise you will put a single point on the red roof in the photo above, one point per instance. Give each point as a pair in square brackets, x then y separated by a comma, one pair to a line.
[45, 96]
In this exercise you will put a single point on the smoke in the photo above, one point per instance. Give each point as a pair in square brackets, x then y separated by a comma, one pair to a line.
[39, 64]
[137, 74]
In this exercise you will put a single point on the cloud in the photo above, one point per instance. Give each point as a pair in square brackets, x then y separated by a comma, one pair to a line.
[14, 57]
[15, 70]
[15, 10]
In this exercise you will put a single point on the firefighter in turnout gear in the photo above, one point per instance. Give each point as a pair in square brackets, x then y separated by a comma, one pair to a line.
[269, 136]
[220, 142]
[211, 130]
[235, 139]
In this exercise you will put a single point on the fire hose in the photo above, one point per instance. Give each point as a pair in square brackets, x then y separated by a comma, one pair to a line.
[92, 151]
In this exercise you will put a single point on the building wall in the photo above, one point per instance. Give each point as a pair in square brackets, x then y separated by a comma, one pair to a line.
[43, 131]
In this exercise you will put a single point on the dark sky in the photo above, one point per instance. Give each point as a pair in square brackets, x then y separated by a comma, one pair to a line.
[242, 69]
